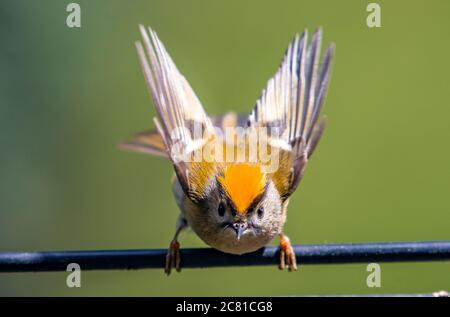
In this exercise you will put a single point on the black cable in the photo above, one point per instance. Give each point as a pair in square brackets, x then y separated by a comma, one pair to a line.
[202, 258]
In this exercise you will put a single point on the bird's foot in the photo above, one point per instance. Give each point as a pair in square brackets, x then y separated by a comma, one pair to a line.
[173, 258]
[287, 254]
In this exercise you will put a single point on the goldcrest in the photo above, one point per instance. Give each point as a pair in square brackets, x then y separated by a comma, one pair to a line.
[234, 174]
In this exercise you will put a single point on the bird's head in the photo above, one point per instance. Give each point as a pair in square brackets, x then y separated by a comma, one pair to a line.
[242, 212]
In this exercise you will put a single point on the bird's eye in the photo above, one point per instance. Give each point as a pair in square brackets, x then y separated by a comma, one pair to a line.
[221, 209]
[260, 212]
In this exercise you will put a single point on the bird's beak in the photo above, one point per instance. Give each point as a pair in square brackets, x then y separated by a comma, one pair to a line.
[239, 227]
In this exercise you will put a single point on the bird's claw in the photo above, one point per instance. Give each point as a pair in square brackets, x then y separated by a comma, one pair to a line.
[173, 258]
[287, 254]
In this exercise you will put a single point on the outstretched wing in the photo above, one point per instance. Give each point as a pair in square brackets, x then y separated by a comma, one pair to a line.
[182, 122]
[151, 142]
[291, 102]
[147, 142]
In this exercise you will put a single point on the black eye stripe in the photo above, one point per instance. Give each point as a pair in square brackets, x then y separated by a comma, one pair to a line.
[255, 202]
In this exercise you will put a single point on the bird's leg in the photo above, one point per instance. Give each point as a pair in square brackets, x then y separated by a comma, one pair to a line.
[287, 254]
[173, 258]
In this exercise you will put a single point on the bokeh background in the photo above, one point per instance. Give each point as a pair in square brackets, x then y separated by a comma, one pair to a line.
[67, 96]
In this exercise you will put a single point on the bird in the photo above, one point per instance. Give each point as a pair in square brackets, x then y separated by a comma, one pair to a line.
[232, 196]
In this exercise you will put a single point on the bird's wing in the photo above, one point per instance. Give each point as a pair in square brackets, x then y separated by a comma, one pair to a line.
[291, 102]
[147, 142]
[151, 142]
[182, 123]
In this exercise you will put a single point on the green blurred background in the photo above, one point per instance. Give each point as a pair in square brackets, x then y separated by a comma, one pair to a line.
[67, 96]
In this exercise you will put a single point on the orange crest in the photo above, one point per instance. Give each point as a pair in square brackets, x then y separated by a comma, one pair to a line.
[242, 183]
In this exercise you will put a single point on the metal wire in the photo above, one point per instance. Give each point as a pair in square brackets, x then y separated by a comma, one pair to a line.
[202, 258]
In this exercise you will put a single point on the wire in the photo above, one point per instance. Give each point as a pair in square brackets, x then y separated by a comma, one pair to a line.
[204, 257]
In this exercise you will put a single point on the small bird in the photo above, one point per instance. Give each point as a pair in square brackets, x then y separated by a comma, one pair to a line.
[234, 197]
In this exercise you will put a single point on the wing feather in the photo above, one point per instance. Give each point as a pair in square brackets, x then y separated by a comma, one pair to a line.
[177, 106]
[181, 122]
[292, 101]
[294, 96]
